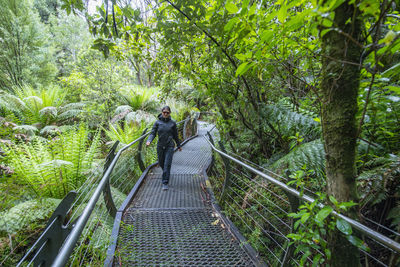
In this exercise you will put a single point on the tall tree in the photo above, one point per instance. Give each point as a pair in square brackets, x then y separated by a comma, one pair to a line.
[339, 89]
[25, 53]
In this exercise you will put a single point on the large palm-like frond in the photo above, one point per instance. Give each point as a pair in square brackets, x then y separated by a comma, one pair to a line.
[53, 168]
[126, 133]
[140, 98]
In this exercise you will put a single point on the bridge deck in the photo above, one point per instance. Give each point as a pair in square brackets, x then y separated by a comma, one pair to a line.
[177, 227]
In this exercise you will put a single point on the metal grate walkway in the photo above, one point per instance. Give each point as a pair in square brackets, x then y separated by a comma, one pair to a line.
[177, 227]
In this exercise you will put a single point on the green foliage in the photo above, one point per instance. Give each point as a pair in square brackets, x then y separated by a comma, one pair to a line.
[312, 155]
[70, 37]
[314, 223]
[181, 110]
[125, 133]
[53, 168]
[140, 98]
[98, 83]
[26, 213]
[26, 55]
[378, 185]
[30, 106]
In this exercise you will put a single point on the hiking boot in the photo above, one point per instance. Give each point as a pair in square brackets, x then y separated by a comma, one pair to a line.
[164, 187]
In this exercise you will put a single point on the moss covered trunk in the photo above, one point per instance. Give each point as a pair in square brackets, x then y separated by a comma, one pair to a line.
[341, 78]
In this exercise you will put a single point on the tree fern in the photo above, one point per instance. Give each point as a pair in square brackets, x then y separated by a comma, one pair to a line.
[140, 98]
[126, 133]
[50, 130]
[53, 168]
[27, 129]
[71, 111]
[311, 154]
[48, 111]
[288, 122]
[139, 117]
[32, 106]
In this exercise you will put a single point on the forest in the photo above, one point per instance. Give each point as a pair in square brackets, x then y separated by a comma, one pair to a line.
[309, 90]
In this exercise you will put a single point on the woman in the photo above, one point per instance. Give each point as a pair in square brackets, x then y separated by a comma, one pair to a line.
[165, 127]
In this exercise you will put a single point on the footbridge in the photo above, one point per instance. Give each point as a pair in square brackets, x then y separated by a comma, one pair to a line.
[220, 210]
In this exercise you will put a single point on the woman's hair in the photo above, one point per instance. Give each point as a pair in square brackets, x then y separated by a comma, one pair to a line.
[166, 107]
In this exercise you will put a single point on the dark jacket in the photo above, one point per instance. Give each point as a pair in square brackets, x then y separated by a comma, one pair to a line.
[167, 132]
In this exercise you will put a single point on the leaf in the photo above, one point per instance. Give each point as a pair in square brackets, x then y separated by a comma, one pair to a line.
[232, 8]
[231, 23]
[392, 71]
[323, 213]
[389, 37]
[266, 36]
[56, 163]
[241, 56]
[305, 217]
[395, 89]
[215, 222]
[358, 243]
[282, 14]
[242, 68]
[344, 227]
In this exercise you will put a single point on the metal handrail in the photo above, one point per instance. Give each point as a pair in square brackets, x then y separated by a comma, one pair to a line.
[69, 244]
[357, 225]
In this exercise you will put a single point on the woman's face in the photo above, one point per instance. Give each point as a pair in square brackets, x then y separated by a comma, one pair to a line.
[165, 113]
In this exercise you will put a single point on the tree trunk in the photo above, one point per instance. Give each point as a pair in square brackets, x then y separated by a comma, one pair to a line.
[339, 88]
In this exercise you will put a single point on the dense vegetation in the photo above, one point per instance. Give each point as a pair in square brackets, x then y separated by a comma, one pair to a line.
[306, 87]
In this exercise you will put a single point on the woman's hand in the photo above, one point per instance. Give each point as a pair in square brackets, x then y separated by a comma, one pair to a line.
[147, 143]
[179, 149]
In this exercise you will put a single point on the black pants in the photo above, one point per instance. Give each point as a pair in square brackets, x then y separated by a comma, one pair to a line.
[165, 155]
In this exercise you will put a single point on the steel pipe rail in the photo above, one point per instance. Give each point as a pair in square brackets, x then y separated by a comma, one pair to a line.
[357, 225]
[73, 237]
[71, 240]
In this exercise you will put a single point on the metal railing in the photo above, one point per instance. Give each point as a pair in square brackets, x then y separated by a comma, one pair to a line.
[65, 227]
[259, 204]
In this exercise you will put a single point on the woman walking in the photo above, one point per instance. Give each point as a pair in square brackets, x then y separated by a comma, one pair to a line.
[165, 127]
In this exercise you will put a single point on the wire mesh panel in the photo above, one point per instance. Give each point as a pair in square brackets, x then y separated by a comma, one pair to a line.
[260, 209]
[184, 192]
[177, 238]
[178, 227]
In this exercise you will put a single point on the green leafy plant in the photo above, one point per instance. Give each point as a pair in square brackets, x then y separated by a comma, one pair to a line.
[313, 225]
[32, 106]
[140, 98]
[125, 133]
[53, 168]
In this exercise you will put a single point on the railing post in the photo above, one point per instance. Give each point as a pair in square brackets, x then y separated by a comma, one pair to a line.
[184, 135]
[294, 205]
[227, 181]
[53, 236]
[112, 210]
[212, 152]
[194, 124]
[139, 157]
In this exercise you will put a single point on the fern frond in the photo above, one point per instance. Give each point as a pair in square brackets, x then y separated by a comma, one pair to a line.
[140, 116]
[70, 114]
[311, 154]
[126, 133]
[77, 105]
[123, 108]
[28, 129]
[50, 129]
[290, 122]
[52, 111]
[53, 168]
[26, 213]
